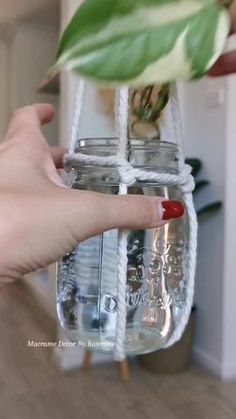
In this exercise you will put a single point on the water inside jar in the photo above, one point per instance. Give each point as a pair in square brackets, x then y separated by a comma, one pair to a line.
[155, 290]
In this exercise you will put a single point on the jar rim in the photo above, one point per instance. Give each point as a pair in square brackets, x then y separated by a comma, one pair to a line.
[139, 143]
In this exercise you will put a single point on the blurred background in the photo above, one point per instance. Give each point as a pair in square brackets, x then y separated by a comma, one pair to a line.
[197, 379]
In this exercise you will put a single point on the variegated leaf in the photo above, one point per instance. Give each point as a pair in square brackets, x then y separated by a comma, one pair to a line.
[139, 42]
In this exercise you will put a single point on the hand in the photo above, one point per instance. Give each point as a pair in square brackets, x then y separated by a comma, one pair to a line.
[226, 64]
[41, 219]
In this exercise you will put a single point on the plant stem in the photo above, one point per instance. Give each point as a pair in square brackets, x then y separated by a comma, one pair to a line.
[226, 3]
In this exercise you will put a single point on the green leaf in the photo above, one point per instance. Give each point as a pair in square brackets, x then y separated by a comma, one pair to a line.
[198, 44]
[201, 184]
[141, 42]
[196, 165]
[210, 209]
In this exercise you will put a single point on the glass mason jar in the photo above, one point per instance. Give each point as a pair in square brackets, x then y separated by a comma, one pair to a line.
[156, 275]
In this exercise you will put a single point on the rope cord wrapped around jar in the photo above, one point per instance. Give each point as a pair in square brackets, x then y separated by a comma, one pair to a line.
[129, 176]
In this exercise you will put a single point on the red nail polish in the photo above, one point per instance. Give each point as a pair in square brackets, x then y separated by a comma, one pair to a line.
[172, 209]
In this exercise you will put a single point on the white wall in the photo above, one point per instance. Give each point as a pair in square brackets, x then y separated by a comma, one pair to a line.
[210, 129]
[229, 306]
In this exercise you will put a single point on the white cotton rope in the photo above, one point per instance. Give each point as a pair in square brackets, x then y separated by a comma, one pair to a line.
[128, 176]
[176, 116]
[193, 225]
[79, 99]
[122, 116]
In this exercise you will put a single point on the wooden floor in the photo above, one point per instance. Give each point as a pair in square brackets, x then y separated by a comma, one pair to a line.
[31, 386]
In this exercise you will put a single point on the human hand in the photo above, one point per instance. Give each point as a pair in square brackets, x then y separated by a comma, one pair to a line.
[226, 64]
[41, 219]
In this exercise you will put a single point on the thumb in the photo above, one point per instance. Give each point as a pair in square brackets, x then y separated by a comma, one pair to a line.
[86, 214]
[28, 120]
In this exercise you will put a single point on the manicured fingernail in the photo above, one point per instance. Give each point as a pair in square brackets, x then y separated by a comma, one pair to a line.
[172, 209]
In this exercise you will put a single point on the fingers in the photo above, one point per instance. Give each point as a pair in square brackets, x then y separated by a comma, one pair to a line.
[29, 120]
[43, 111]
[87, 214]
[226, 64]
[57, 154]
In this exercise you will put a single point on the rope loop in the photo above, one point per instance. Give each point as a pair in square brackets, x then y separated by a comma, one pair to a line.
[130, 175]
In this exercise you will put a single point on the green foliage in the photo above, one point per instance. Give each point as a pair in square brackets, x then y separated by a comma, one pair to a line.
[196, 165]
[208, 209]
[142, 42]
[201, 184]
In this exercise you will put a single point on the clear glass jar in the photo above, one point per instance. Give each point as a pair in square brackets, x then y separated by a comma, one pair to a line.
[156, 284]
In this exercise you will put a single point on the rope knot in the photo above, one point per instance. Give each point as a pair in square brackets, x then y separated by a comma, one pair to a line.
[129, 175]
[126, 172]
[187, 182]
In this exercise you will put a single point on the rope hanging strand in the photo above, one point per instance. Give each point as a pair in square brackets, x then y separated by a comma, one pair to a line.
[121, 113]
[79, 100]
[176, 116]
[193, 225]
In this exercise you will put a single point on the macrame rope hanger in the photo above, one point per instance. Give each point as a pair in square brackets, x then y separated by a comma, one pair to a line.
[128, 176]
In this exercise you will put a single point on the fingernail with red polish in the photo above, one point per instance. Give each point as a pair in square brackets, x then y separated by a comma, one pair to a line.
[172, 209]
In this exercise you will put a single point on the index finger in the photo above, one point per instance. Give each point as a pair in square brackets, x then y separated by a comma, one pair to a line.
[30, 119]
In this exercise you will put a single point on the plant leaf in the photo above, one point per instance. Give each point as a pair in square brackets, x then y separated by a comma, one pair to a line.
[210, 209]
[196, 164]
[141, 42]
[201, 184]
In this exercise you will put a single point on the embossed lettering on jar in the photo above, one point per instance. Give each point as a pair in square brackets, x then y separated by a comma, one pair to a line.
[156, 276]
